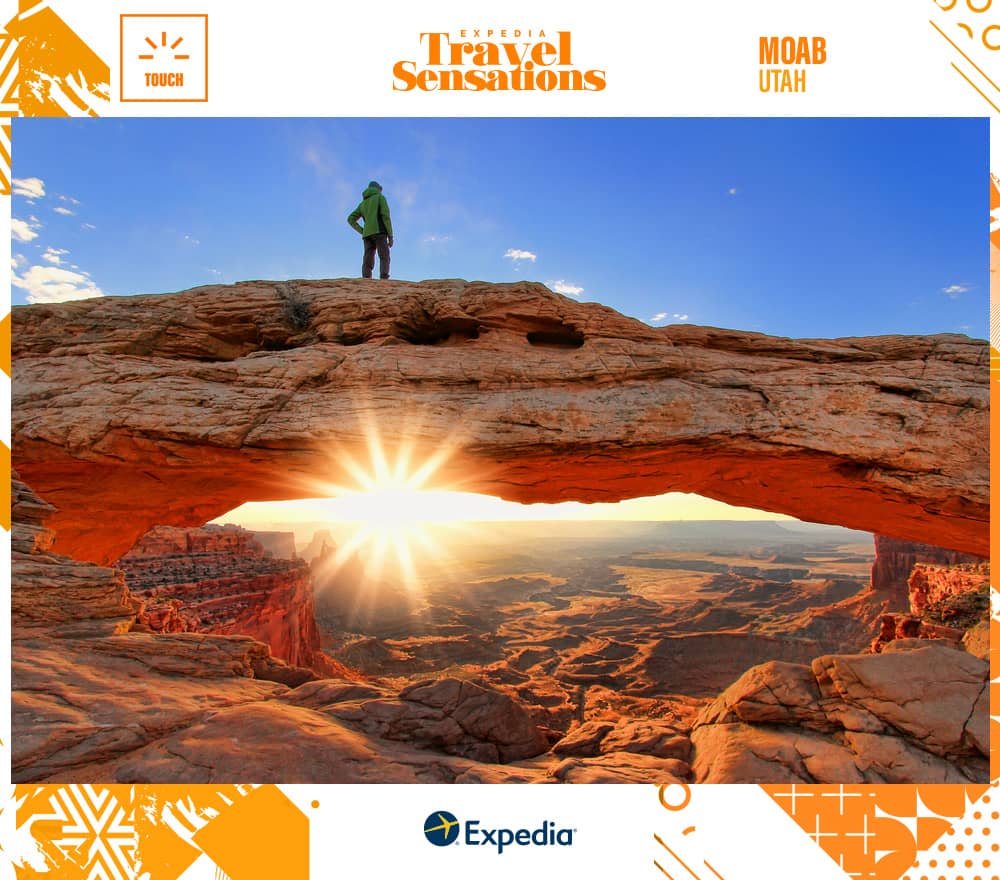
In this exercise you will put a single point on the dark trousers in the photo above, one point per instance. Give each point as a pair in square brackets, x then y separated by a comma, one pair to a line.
[378, 242]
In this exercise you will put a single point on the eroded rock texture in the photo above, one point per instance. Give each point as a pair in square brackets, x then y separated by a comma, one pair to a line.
[84, 687]
[95, 700]
[173, 409]
[943, 593]
[220, 579]
[932, 585]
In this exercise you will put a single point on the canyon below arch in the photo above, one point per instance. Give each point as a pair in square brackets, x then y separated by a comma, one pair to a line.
[161, 413]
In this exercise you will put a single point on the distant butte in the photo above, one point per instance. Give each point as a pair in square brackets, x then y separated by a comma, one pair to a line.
[130, 412]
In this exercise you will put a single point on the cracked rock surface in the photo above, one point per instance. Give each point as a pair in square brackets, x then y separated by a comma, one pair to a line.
[919, 711]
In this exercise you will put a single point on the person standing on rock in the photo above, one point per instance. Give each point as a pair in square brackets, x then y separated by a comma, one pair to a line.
[377, 231]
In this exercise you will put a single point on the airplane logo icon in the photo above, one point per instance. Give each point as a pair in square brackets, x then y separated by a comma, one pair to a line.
[441, 828]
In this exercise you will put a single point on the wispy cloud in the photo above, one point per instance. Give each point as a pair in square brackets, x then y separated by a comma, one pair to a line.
[404, 192]
[954, 291]
[321, 160]
[87, 226]
[215, 272]
[69, 199]
[517, 255]
[50, 284]
[732, 191]
[566, 287]
[663, 317]
[189, 239]
[332, 178]
[66, 212]
[436, 239]
[24, 230]
[17, 260]
[29, 187]
[54, 255]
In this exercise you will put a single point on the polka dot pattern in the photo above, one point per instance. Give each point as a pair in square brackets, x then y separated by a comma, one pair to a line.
[967, 851]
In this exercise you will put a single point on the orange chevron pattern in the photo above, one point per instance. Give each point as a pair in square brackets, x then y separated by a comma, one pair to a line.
[82, 829]
[8, 104]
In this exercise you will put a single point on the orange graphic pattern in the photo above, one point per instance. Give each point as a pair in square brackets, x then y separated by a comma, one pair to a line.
[58, 73]
[972, 30]
[970, 850]
[156, 832]
[876, 832]
[8, 103]
[80, 829]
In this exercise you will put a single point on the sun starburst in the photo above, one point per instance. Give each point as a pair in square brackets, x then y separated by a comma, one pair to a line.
[392, 496]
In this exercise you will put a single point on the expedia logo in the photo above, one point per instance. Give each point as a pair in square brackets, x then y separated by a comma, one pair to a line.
[442, 828]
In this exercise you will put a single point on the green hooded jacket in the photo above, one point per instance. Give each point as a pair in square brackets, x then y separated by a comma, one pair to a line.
[372, 209]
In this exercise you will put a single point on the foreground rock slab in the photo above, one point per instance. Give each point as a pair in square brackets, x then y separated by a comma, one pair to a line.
[919, 712]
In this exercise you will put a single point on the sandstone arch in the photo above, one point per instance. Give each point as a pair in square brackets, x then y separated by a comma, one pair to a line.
[135, 411]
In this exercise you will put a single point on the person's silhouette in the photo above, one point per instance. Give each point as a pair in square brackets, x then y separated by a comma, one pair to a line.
[377, 229]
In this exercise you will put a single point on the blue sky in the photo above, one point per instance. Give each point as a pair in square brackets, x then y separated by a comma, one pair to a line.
[811, 227]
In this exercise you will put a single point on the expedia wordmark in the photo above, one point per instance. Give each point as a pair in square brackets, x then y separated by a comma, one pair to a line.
[440, 829]
[546, 835]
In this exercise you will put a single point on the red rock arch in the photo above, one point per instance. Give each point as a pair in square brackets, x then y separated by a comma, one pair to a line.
[135, 411]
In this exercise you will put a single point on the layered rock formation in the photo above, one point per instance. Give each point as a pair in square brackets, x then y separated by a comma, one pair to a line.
[896, 559]
[947, 593]
[220, 579]
[134, 411]
[931, 586]
[52, 596]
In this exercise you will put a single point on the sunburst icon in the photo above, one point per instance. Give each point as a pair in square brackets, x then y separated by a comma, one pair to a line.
[163, 45]
[164, 57]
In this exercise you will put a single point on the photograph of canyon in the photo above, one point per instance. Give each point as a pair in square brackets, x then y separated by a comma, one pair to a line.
[692, 485]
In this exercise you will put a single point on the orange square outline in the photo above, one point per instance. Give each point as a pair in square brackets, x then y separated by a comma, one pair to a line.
[121, 58]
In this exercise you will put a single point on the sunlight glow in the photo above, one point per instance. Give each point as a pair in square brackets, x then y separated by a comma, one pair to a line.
[403, 516]
[433, 506]
[391, 502]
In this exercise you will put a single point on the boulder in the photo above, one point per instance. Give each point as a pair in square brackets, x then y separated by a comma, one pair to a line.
[454, 716]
